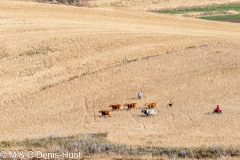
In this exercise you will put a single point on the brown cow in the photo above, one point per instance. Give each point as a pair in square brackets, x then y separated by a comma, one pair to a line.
[131, 105]
[115, 106]
[105, 113]
[151, 105]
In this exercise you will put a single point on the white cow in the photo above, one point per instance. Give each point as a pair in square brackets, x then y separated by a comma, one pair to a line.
[149, 112]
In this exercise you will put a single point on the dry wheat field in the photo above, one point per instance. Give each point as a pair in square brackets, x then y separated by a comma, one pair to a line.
[60, 65]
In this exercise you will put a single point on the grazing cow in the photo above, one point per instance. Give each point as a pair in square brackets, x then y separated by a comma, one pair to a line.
[149, 112]
[131, 105]
[115, 106]
[105, 113]
[151, 105]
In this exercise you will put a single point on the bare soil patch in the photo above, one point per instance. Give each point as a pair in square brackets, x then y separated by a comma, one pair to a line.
[233, 20]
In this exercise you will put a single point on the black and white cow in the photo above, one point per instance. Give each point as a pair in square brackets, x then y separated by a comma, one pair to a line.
[149, 112]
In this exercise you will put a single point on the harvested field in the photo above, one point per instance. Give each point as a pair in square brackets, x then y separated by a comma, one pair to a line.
[156, 4]
[61, 64]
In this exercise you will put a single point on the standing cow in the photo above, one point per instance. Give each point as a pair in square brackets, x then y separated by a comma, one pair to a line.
[105, 113]
[151, 105]
[115, 106]
[131, 105]
[149, 112]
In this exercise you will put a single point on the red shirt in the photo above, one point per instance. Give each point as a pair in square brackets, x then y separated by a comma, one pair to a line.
[218, 108]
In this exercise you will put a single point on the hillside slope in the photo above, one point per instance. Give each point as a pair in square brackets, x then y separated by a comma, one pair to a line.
[156, 4]
[60, 65]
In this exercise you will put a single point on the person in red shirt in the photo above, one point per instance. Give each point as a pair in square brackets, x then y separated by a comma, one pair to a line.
[217, 109]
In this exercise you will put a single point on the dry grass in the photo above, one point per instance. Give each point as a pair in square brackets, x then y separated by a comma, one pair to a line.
[78, 3]
[155, 4]
[90, 145]
[192, 63]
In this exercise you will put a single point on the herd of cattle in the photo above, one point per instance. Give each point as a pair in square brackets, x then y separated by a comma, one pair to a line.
[149, 111]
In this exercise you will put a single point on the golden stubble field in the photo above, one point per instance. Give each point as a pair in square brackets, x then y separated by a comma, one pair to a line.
[155, 4]
[60, 65]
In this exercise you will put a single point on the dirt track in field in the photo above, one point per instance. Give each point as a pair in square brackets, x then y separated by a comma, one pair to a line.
[233, 20]
[60, 65]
